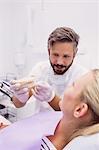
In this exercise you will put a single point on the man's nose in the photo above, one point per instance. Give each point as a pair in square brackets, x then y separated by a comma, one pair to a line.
[60, 61]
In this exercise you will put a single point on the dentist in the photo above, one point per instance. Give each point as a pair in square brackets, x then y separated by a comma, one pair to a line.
[59, 72]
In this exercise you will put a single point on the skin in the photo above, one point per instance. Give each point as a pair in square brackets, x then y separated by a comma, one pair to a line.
[72, 93]
[2, 125]
[61, 56]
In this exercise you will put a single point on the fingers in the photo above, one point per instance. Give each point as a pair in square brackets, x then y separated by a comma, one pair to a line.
[2, 125]
[43, 92]
[22, 91]
[22, 95]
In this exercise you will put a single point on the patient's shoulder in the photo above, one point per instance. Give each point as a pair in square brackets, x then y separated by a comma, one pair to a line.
[90, 142]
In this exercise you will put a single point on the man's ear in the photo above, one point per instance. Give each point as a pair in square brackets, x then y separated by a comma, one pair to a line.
[49, 51]
[80, 110]
[75, 51]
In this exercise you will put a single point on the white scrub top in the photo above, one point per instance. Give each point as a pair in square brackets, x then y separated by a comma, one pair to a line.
[44, 72]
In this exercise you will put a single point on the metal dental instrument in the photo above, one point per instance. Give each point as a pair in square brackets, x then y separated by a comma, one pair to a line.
[5, 88]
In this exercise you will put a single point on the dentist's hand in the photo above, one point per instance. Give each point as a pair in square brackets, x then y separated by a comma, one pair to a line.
[22, 94]
[22, 88]
[43, 92]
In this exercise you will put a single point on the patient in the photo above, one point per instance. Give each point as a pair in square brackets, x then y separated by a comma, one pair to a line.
[53, 130]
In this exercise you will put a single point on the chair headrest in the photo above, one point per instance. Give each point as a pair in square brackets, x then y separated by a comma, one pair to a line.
[90, 142]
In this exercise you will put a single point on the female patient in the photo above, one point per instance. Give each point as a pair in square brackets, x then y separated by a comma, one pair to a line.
[52, 130]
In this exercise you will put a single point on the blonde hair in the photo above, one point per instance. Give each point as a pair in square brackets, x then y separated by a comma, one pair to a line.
[90, 95]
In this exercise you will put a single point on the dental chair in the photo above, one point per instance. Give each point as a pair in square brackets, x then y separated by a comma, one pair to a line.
[90, 142]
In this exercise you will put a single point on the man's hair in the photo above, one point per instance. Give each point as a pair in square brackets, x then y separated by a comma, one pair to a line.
[63, 34]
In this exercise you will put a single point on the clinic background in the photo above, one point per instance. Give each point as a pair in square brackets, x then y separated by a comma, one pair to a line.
[26, 24]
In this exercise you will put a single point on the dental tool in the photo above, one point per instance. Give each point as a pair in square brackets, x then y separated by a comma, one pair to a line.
[5, 89]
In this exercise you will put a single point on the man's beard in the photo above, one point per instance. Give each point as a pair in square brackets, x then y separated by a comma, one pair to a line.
[60, 69]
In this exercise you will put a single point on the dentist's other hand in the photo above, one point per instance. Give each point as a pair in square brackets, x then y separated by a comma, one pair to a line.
[43, 92]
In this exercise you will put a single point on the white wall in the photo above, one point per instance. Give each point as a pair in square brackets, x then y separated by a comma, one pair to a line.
[26, 24]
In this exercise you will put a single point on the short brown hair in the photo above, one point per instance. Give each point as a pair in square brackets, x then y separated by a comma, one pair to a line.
[63, 34]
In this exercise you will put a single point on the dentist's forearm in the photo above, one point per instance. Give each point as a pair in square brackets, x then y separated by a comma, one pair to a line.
[17, 103]
[55, 103]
